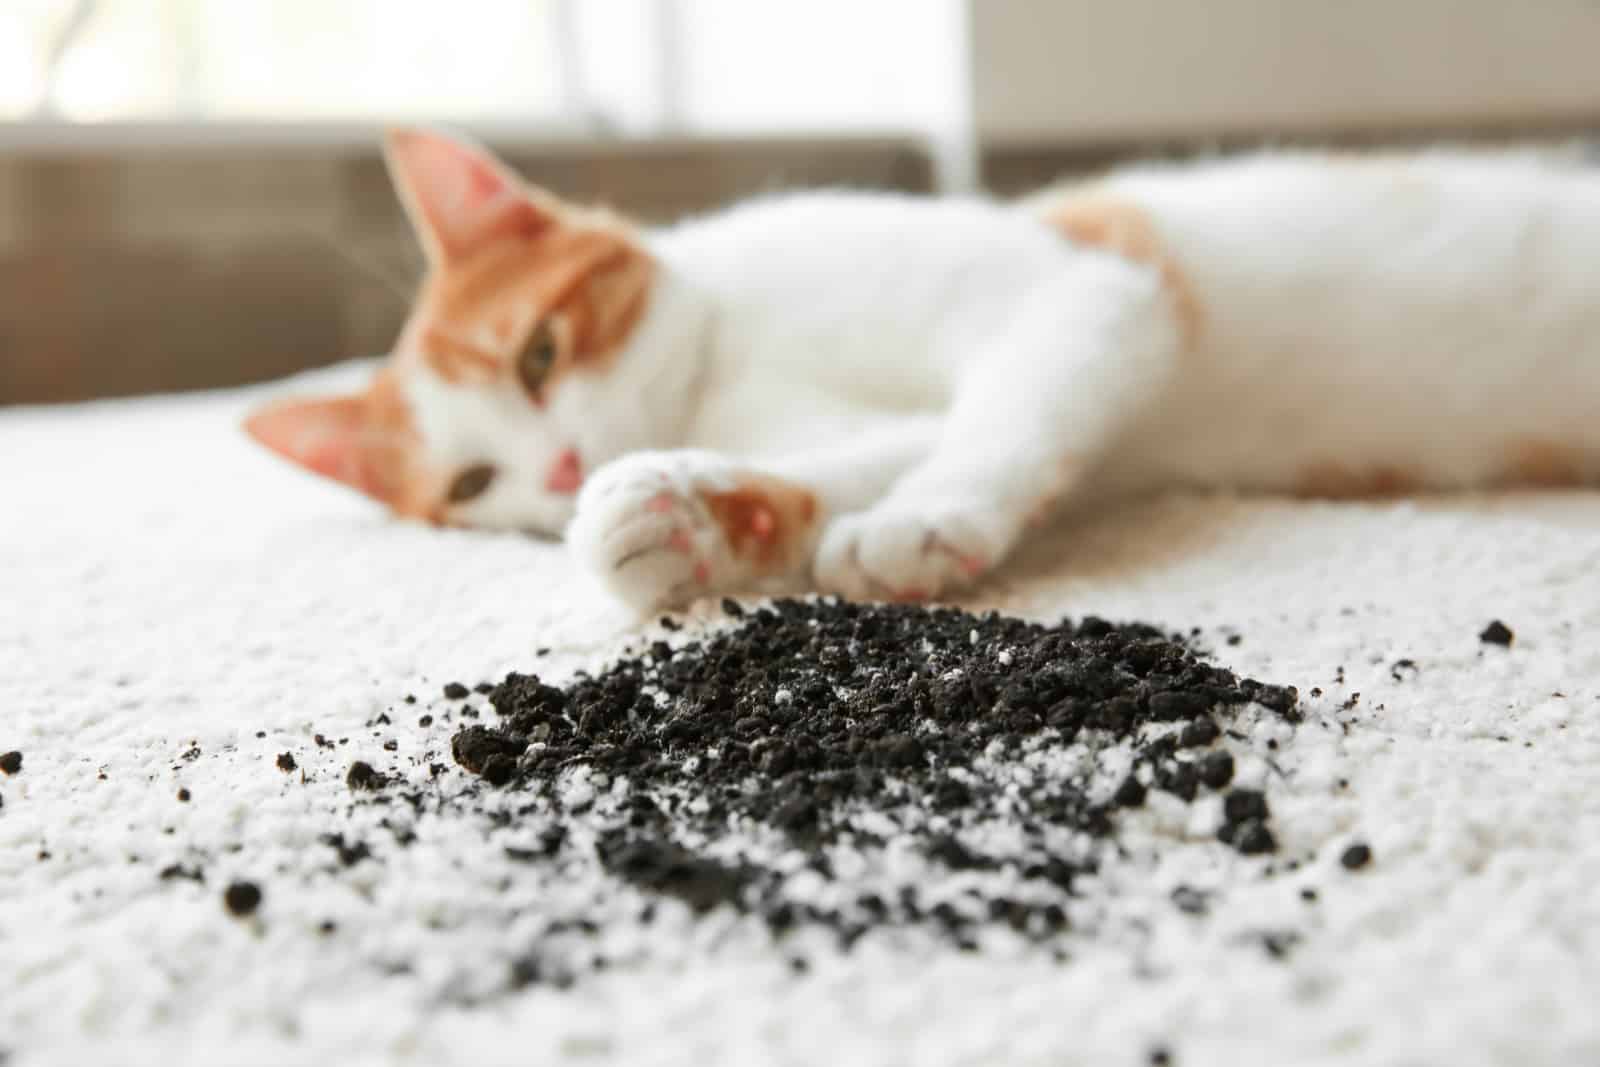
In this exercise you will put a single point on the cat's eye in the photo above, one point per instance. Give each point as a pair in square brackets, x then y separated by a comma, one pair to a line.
[470, 483]
[537, 359]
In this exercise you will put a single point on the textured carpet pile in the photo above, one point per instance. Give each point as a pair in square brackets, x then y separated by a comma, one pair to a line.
[236, 832]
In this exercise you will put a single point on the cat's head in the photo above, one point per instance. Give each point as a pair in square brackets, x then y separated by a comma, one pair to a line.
[546, 339]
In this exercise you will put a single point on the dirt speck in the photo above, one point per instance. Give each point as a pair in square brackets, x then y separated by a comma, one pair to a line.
[241, 899]
[1497, 633]
[362, 776]
[1356, 856]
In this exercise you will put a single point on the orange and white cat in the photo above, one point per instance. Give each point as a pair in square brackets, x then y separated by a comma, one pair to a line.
[881, 393]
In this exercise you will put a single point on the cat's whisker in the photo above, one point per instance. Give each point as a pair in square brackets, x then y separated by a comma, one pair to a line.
[364, 265]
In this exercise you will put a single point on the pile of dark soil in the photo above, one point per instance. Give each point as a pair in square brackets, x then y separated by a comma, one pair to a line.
[815, 731]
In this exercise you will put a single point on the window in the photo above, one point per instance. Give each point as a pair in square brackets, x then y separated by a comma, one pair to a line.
[583, 65]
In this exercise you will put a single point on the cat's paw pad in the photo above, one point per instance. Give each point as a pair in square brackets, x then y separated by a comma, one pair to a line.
[907, 553]
[660, 529]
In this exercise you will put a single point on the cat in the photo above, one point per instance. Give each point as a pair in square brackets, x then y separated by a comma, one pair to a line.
[880, 394]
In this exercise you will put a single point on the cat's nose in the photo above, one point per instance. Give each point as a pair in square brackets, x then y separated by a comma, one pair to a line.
[566, 473]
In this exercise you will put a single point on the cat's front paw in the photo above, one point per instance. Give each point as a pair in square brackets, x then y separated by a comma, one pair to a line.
[662, 528]
[909, 551]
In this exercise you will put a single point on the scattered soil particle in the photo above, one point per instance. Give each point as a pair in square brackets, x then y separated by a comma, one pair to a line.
[11, 763]
[1130, 794]
[350, 853]
[1252, 838]
[176, 871]
[456, 691]
[1190, 900]
[241, 899]
[1279, 943]
[475, 746]
[1244, 813]
[1216, 768]
[425, 722]
[1497, 633]
[836, 725]
[363, 776]
[1242, 804]
[286, 762]
[184, 796]
[1356, 856]
[1199, 733]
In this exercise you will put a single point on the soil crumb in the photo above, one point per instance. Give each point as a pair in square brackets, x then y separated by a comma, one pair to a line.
[1356, 856]
[362, 776]
[241, 898]
[1497, 633]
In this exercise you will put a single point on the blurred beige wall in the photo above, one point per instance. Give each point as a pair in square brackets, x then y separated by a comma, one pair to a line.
[1062, 70]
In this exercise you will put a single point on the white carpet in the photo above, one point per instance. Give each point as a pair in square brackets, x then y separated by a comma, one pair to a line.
[167, 587]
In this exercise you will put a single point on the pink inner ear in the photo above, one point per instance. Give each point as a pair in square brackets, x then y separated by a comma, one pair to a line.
[458, 195]
[333, 437]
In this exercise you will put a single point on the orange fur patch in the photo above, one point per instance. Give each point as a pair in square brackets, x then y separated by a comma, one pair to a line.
[412, 491]
[1545, 465]
[1108, 222]
[584, 272]
[1338, 481]
[765, 519]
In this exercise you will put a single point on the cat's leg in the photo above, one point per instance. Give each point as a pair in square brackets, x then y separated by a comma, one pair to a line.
[661, 528]
[1084, 356]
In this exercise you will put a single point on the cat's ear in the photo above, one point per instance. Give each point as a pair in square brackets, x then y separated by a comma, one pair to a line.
[457, 195]
[335, 437]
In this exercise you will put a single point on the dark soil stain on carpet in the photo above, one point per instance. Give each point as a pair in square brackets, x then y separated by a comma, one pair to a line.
[819, 733]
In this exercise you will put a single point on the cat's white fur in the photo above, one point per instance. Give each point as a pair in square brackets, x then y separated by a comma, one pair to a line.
[940, 370]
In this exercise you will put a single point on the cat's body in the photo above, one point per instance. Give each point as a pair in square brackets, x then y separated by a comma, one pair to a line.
[882, 392]
[1422, 322]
